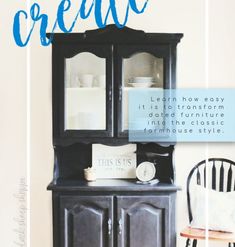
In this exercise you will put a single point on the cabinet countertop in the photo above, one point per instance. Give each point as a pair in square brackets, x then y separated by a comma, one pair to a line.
[111, 185]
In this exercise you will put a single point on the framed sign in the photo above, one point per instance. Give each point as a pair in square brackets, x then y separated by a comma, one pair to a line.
[113, 162]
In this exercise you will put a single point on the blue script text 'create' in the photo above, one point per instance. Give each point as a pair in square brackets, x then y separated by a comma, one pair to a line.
[84, 11]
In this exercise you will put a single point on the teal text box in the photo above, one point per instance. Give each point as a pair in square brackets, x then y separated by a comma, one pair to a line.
[181, 115]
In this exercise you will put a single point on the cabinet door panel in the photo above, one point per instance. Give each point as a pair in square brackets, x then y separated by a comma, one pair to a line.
[82, 91]
[86, 221]
[139, 67]
[143, 221]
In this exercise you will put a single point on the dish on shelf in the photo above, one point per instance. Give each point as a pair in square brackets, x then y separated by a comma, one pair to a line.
[142, 79]
[85, 88]
[142, 84]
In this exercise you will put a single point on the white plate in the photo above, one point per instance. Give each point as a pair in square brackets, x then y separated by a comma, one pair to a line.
[141, 84]
[141, 79]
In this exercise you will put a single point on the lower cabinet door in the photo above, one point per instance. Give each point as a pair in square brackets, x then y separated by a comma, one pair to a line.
[144, 221]
[86, 221]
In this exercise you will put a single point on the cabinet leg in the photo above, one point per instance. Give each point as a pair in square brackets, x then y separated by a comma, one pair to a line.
[188, 242]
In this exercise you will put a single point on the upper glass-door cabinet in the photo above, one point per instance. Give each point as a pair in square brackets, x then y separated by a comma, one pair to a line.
[140, 67]
[85, 102]
[93, 73]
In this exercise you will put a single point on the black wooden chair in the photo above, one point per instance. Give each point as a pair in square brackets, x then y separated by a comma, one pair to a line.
[220, 174]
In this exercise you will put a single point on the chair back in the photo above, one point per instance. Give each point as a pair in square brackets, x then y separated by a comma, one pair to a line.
[214, 173]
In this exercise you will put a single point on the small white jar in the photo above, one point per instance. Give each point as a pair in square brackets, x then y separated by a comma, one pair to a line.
[90, 174]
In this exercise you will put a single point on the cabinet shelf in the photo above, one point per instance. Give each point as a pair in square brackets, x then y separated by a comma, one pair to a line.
[141, 88]
[85, 89]
[110, 185]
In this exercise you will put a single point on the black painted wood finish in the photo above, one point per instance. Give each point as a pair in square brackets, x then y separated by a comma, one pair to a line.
[143, 221]
[116, 213]
[71, 160]
[86, 221]
[130, 186]
[113, 213]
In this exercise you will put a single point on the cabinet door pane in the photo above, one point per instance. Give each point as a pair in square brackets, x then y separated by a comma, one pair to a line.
[139, 67]
[144, 221]
[85, 92]
[141, 70]
[86, 221]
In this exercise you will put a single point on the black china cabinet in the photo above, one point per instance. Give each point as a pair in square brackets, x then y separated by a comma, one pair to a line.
[92, 74]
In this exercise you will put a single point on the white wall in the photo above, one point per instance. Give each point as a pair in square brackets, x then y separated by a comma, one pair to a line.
[12, 123]
[186, 16]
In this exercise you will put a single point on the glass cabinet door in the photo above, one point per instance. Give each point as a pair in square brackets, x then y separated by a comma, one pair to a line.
[88, 92]
[139, 68]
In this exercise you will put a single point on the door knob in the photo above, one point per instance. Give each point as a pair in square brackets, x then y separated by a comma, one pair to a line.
[110, 94]
[120, 94]
[109, 226]
[120, 227]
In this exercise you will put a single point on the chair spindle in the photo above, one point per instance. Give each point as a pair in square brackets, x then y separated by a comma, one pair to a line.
[221, 182]
[213, 177]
